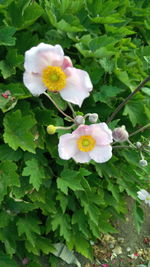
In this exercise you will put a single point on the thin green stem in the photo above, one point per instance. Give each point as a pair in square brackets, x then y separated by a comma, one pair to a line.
[65, 128]
[72, 109]
[49, 97]
[127, 99]
[141, 129]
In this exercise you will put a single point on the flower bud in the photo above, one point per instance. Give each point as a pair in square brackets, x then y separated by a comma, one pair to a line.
[138, 144]
[25, 261]
[79, 120]
[51, 129]
[93, 117]
[143, 162]
[120, 134]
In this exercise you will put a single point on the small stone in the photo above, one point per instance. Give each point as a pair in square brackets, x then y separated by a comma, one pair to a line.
[117, 250]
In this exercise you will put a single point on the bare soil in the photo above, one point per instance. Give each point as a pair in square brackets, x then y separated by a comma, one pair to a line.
[125, 249]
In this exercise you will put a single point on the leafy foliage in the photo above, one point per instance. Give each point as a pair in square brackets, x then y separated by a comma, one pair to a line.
[45, 200]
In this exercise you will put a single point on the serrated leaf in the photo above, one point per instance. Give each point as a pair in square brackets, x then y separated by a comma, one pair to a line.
[18, 131]
[8, 177]
[81, 244]
[45, 245]
[21, 16]
[29, 226]
[6, 261]
[6, 35]
[136, 112]
[35, 171]
[69, 179]
[63, 201]
[6, 153]
[106, 93]
[62, 221]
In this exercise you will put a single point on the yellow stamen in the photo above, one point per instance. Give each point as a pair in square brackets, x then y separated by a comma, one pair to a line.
[148, 198]
[86, 143]
[54, 78]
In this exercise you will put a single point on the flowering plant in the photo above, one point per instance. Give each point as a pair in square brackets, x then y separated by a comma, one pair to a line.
[74, 101]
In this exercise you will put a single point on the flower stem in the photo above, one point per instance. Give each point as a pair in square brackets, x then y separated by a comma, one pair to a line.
[70, 118]
[127, 99]
[65, 128]
[141, 129]
[72, 109]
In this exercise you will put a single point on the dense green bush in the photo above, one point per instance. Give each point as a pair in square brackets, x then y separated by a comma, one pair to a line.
[44, 199]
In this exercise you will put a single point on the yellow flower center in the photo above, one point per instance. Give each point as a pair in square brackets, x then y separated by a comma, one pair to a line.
[86, 143]
[54, 78]
[148, 198]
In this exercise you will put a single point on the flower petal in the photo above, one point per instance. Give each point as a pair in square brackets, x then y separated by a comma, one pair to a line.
[38, 57]
[67, 62]
[78, 86]
[101, 133]
[101, 153]
[67, 146]
[142, 194]
[81, 157]
[83, 130]
[34, 83]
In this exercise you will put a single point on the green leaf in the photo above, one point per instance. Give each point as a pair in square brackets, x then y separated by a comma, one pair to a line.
[80, 219]
[62, 221]
[6, 35]
[18, 131]
[29, 226]
[6, 261]
[63, 201]
[35, 171]
[81, 245]
[45, 245]
[6, 153]
[8, 177]
[22, 15]
[114, 189]
[8, 66]
[106, 93]
[138, 217]
[69, 179]
[136, 112]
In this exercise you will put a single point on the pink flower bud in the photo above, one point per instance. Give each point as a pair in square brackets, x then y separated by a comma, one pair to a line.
[25, 261]
[79, 120]
[93, 117]
[104, 265]
[120, 134]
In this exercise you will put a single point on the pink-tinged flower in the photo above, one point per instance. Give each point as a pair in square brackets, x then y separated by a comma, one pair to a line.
[144, 195]
[47, 68]
[87, 142]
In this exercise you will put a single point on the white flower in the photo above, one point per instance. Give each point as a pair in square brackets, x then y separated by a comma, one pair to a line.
[87, 142]
[144, 195]
[47, 68]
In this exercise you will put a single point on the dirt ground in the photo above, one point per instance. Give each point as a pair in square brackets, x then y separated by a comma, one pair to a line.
[125, 249]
